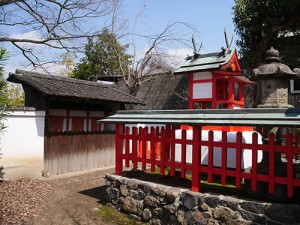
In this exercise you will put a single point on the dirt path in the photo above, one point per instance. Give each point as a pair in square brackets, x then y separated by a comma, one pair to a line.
[75, 200]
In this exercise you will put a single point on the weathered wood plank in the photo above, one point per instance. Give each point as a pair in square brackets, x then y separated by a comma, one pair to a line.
[69, 152]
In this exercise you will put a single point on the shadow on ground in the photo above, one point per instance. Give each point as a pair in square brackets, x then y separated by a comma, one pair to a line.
[98, 193]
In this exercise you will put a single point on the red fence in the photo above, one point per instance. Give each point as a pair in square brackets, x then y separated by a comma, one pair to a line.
[130, 142]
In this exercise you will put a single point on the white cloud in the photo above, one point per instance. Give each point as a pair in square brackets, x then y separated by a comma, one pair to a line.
[181, 53]
[33, 35]
[52, 68]
[177, 56]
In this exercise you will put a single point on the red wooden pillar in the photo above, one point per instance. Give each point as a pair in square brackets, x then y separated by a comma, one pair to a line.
[289, 157]
[241, 94]
[183, 154]
[254, 162]
[239, 142]
[210, 162]
[196, 158]
[224, 158]
[119, 148]
[134, 146]
[271, 163]
[127, 146]
[231, 94]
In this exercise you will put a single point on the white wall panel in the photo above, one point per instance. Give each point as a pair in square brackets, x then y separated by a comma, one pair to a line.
[202, 90]
[202, 75]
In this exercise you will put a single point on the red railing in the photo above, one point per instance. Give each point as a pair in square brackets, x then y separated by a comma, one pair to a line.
[130, 141]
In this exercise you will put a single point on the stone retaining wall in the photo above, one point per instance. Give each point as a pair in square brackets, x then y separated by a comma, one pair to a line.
[160, 204]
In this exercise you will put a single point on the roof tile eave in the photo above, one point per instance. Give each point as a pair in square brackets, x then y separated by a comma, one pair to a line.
[68, 87]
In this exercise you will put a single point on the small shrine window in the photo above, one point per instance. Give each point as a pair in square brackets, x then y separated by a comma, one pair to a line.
[295, 86]
[236, 91]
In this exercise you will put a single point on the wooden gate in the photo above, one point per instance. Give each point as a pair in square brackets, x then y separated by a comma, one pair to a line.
[75, 151]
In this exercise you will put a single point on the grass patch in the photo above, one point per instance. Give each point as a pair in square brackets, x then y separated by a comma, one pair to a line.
[112, 216]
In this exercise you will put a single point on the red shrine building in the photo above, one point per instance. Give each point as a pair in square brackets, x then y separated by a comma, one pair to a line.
[215, 80]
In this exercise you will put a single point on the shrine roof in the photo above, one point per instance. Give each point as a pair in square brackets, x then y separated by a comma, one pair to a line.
[50, 85]
[211, 61]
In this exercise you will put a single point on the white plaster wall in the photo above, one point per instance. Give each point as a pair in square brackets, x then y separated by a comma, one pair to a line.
[22, 144]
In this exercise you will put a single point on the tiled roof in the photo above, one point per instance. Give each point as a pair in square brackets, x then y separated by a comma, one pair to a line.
[50, 85]
[211, 61]
[162, 91]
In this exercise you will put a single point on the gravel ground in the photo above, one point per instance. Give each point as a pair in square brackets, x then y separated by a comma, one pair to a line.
[23, 200]
[67, 199]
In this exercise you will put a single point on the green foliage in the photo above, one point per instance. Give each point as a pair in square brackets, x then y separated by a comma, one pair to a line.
[15, 96]
[3, 97]
[10, 95]
[266, 23]
[104, 56]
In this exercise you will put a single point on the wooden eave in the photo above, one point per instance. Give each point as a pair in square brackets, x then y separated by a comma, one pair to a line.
[225, 117]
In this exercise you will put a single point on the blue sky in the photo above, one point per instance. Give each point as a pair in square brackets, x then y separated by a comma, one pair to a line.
[208, 17]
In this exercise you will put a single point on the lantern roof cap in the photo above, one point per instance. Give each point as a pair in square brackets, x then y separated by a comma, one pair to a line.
[273, 68]
[272, 55]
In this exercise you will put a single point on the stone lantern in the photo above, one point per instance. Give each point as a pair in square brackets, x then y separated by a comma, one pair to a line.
[273, 80]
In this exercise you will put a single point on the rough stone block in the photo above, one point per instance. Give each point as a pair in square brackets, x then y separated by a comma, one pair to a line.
[137, 194]
[121, 181]
[212, 201]
[111, 177]
[188, 217]
[222, 214]
[155, 222]
[123, 190]
[130, 205]
[146, 215]
[199, 218]
[159, 190]
[113, 194]
[108, 182]
[164, 215]
[145, 187]
[172, 208]
[254, 207]
[180, 216]
[132, 183]
[230, 202]
[255, 218]
[151, 201]
[189, 199]
[140, 207]
[172, 194]
[204, 207]
[155, 211]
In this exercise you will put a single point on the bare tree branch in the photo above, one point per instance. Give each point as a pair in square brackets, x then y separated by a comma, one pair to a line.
[153, 58]
[6, 2]
[60, 24]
